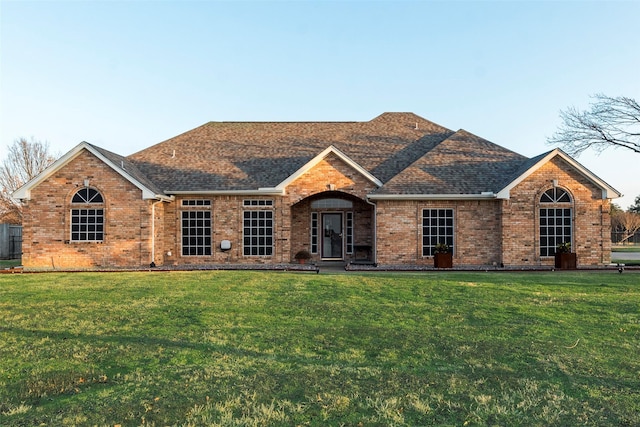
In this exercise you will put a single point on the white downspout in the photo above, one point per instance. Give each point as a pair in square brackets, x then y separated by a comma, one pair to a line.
[375, 231]
[153, 232]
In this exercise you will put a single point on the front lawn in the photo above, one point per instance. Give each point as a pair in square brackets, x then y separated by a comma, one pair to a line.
[284, 349]
[630, 248]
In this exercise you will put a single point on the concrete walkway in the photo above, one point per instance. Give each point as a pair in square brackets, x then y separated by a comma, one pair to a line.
[331, 267]
[635, 256]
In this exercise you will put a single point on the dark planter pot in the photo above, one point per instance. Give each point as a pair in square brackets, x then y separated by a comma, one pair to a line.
[443, 260]
[566, 261]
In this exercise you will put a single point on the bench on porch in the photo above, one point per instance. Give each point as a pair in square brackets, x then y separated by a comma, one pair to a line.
[362, 253]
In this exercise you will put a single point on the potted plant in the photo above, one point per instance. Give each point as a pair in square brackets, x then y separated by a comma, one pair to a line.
[564, 258]
[302, 256]
[442, 256]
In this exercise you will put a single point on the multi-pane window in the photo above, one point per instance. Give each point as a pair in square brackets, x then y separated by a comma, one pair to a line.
[87, 223]
[196, 202]
[258, 233]
[331, 204]
[257, 202]
[196, 232]
[556, 220]
[437, 227]
[349, 232]
[314, 232]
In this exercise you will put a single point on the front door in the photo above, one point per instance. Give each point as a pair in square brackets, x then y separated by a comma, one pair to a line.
[332, 236]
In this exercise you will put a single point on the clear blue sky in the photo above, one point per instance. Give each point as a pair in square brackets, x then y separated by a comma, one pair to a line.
[128, 74]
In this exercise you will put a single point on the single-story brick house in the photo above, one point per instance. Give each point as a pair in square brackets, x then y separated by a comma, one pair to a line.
[384, 191]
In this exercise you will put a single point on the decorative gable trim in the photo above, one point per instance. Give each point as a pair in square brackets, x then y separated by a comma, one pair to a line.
[24, 192]
[317, 159]
[608, 192]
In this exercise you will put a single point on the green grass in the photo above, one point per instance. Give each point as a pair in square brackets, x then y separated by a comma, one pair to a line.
[618, 257]
[283, 349]
[626, 262]
[626, 249]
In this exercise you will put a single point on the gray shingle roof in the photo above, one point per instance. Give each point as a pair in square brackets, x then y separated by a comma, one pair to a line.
[409, 154]
[461, 164]
[128, 167]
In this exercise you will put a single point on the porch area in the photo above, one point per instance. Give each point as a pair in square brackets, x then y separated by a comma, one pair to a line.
[333, 227]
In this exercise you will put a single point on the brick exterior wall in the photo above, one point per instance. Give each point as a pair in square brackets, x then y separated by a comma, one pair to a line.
[47, 220]
[591, 220]
[487, 232]
[331, 177]
[226, 224]
[400, 231]
[502, 232]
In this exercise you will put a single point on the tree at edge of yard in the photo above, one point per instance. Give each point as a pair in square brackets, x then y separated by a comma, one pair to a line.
[611, 122]
[25, 160]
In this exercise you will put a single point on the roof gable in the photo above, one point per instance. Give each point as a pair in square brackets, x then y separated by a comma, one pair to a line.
[116, 162]
[317, 159]
[537, 162]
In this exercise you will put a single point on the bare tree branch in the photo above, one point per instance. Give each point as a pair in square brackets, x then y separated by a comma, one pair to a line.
[611, 122]
[627, 222]
[25, 159]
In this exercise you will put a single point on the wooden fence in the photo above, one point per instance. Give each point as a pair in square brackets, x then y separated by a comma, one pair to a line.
[10, 241]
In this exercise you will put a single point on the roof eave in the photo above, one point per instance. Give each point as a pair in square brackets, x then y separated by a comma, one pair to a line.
[489, 195]
[24, 192]
[257, 192]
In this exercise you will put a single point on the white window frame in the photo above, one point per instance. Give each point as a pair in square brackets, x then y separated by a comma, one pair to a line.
[251, 244]
[257, 202]
[87, 216]
[196, 202]
[443, 224]
[198, 236]
[314, 237]
[349, 232]
[89, 224]
[556, 206]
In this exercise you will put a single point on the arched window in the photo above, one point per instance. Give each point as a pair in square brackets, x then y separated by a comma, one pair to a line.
[87, 221]
[556, 220]
[87, 195]
[555, 195]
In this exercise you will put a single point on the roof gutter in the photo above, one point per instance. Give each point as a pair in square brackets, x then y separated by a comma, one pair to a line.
[258, 192]
[488, 195]
[163, 198]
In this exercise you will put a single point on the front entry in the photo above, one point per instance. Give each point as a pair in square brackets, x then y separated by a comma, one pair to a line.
[332, 236]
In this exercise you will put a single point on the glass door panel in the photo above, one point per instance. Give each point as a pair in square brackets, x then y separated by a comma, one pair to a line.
[332, 235]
